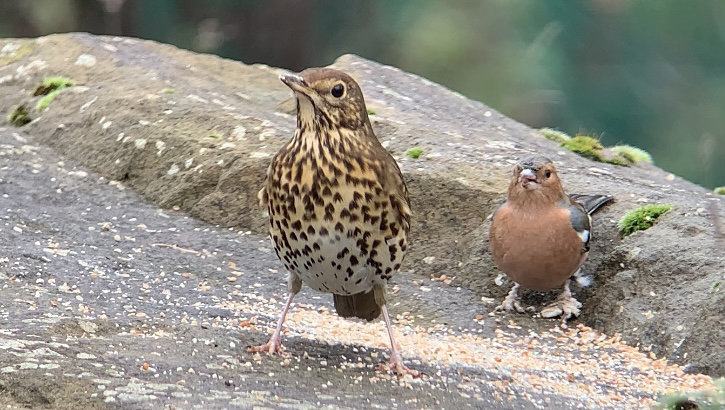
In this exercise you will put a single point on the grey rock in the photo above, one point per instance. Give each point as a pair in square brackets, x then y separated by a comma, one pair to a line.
[197, 132]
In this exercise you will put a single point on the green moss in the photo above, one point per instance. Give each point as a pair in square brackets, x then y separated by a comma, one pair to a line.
[587, 147]
[720, 190]
[371, 111]
[168, 91]
[50, 88]
[19, 116]
[44, 102]
[590, 147]
[641, 218]
[633, 154]
[414, 152]
[555, 135]
[710, 399]
[51, 84]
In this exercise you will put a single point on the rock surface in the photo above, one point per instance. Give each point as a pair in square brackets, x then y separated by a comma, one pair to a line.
[98, 281]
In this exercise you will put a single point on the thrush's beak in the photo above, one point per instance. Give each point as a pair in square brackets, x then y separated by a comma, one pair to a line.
[527, 178]
[295, 82]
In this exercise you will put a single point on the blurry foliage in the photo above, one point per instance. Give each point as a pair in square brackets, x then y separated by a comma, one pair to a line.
[648, 74]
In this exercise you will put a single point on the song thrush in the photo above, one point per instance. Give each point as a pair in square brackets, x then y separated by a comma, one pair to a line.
[339, 212]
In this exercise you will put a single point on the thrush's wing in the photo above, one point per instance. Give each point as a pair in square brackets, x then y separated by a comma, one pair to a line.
[394, 183]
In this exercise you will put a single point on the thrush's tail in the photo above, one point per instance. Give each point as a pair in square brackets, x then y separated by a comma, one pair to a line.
[591, 202]
[362, 305]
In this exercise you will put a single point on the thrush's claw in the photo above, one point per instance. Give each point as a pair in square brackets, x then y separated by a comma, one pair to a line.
[565, 306]
[399, 368]
[273, 346]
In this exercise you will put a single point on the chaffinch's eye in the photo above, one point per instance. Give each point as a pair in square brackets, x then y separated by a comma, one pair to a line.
[547, 173]
[337, 90]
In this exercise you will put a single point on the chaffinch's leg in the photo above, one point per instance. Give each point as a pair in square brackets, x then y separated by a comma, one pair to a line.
[581, 279]
[512, 303]
[565, 305]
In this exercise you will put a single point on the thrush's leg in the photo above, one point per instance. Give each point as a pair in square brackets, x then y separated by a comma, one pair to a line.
[274, 345]
[512, 303]
[565, 305]
[396, 360]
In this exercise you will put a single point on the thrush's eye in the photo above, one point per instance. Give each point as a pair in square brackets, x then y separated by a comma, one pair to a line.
[337, 90]
[547, 173]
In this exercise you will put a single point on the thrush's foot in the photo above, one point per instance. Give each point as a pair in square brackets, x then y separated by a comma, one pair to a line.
[399, 368]
[395, 364]
[273, 346]
[565, 306]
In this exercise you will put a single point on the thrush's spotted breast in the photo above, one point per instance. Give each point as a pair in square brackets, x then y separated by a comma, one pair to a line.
[339, 212]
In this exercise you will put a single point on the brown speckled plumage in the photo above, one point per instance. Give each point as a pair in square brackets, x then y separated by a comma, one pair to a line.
[339, 212]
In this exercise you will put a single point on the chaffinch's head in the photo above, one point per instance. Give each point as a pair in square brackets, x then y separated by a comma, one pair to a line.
[535, 179]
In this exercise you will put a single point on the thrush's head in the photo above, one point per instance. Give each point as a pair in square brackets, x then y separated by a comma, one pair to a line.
[329, 97]
[535, 178]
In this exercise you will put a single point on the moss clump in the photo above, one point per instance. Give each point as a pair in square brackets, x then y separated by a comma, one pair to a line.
[592, 148]
[19, 116]
[51, 84]
[720, 190]
[414, 152]
[587, 147]
[619, 160]
[44, 102]
[555, 135]
[51, 87]
[371, 111]
[632, 154]
[641, 218]
[710, 399]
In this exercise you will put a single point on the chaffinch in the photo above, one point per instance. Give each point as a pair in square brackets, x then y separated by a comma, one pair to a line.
[540, 236]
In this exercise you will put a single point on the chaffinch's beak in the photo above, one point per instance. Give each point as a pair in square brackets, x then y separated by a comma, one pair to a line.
[527, 178]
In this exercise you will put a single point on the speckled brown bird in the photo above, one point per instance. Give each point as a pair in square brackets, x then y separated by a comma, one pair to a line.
[339, 212]
[540, 237]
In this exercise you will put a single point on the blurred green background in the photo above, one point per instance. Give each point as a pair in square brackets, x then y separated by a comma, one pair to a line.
[645, 73]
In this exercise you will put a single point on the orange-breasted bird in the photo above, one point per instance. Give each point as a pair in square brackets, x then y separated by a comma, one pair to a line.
[540, 236]
[339, 212]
